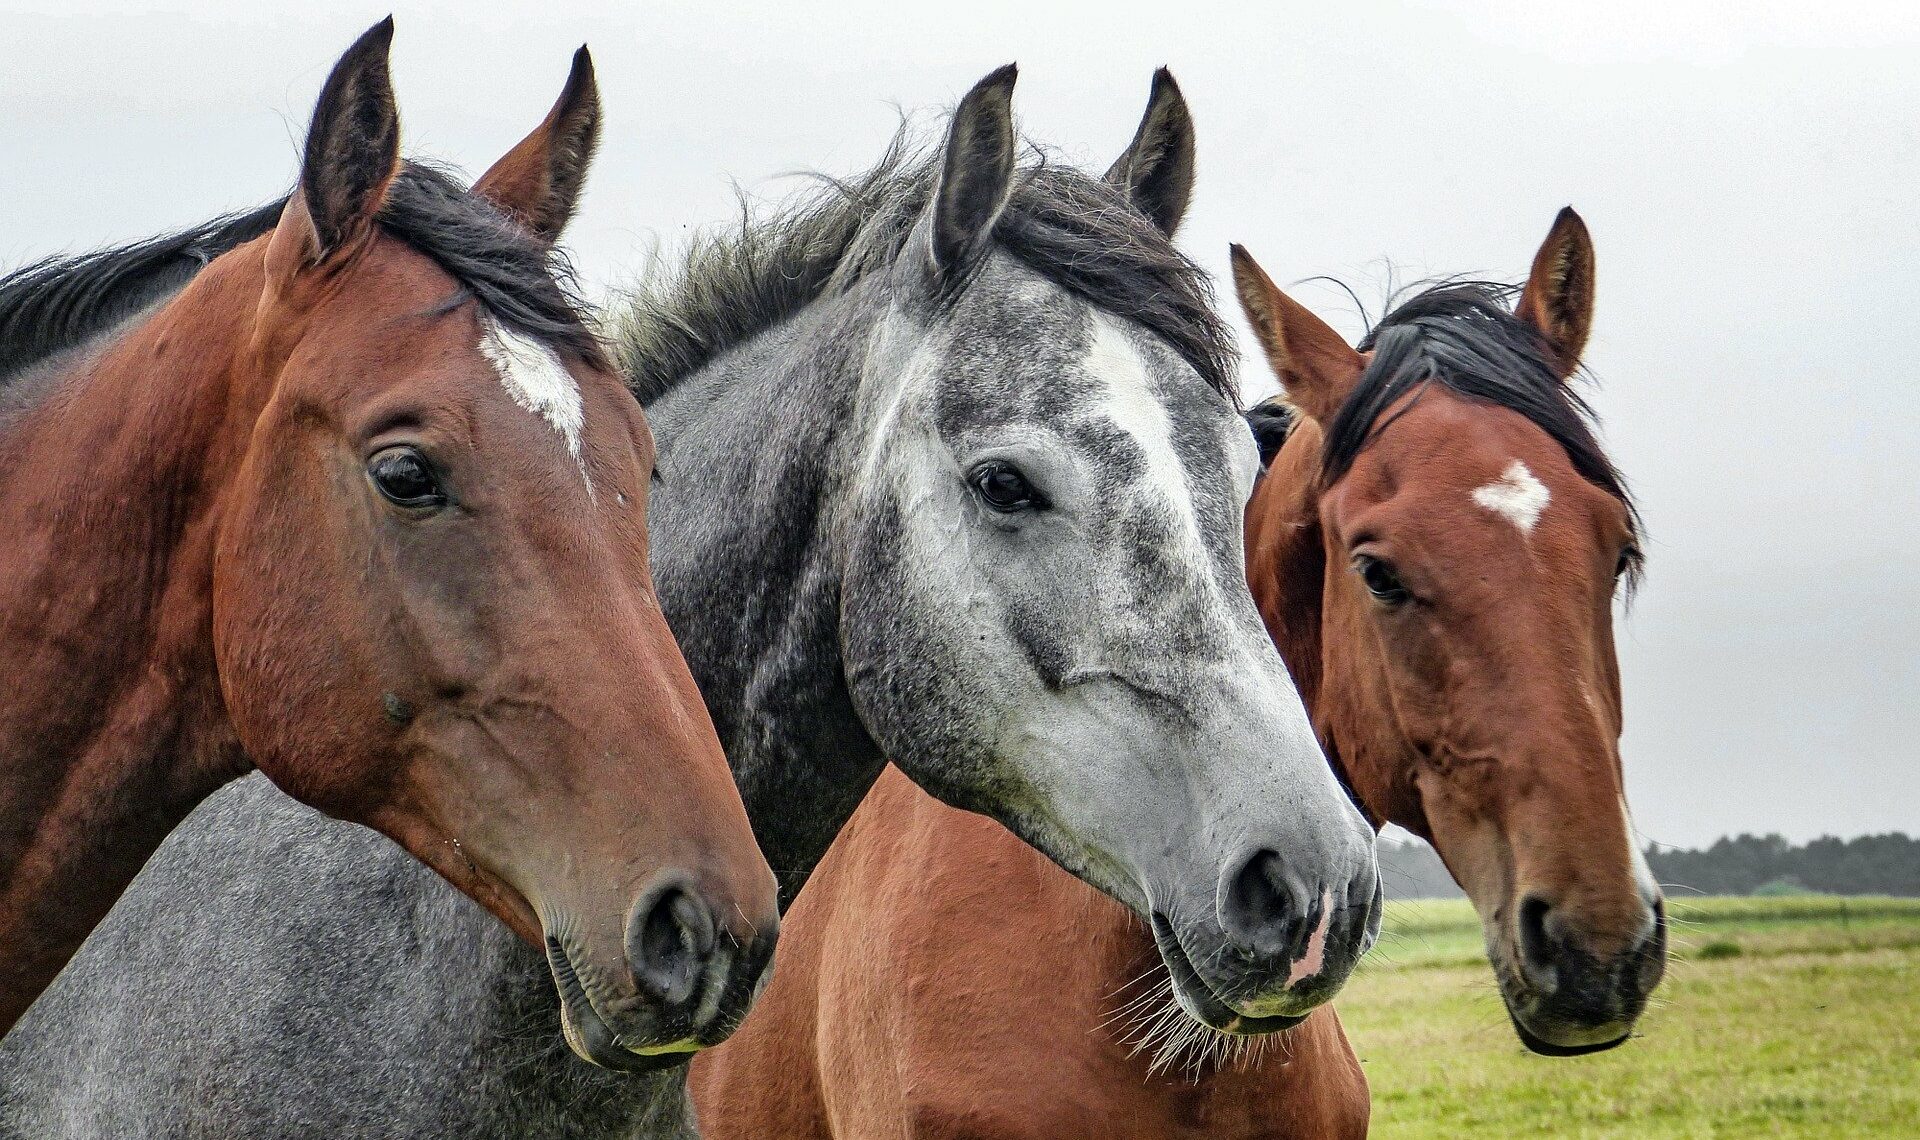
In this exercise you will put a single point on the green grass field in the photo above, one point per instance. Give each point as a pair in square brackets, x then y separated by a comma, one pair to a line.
[1778, 1017]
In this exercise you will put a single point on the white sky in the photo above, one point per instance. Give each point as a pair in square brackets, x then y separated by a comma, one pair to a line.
[1750, 171]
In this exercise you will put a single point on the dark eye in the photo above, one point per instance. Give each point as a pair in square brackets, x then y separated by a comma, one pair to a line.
[1629, 558]
[1381, 581]
[1002, 487]
[403, 476]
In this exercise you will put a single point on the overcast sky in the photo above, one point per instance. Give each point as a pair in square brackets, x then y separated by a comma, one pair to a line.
[1750, 172]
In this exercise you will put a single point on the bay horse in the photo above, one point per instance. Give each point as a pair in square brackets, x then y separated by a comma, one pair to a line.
[951, 474]
[363, 504]
[1436, 548]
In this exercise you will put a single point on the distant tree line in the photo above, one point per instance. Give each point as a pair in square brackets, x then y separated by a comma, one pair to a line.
[1742, 865]
[1870, 865]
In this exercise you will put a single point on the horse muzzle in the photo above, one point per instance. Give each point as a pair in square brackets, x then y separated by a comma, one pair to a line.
[1565, 1001]
[1282, 948]
[690, 982]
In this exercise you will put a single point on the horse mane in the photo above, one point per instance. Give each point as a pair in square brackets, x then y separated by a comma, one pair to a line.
[1464, 336]
[1272, 421]
[1073, 229]
[62, 303]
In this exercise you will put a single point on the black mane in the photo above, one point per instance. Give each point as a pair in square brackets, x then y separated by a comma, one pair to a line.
[1076, 230]
[57, 304]
[1464, 336]
[1272, 422]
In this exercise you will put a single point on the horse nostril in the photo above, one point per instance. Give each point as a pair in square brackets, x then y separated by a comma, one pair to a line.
[669, 941]
[695, 921]
[1539, 952]
[1260, 910]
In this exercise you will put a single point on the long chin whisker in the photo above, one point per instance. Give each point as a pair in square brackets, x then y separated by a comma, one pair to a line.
[1155, 1025]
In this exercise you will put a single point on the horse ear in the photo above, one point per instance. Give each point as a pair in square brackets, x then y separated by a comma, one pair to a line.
[538, 182]
[1558, 298]
[1156, 171]
[1314, 363]
[976, 174]
[353, 146]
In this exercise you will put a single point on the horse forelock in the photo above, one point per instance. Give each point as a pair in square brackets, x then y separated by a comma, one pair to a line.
[1464, 336]
[525, 285]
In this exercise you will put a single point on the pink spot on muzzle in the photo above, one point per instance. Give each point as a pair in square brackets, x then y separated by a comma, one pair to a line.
[1308, 964]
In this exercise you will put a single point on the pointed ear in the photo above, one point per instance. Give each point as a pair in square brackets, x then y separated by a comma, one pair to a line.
[1156, 172]
[1313, 363]
[353, 146]
[1558, 299]
[538, 182]
[976, 174]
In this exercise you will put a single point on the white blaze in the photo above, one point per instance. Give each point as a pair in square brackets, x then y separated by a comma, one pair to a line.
[1516, 496]
[535, 378]
[1314, 958]
[1133, 407]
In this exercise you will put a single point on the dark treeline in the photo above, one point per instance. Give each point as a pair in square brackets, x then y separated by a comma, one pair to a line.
[1870, 865]
[1742, 865]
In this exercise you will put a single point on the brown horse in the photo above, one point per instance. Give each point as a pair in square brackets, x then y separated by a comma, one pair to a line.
[1436, 548]
[364, 505]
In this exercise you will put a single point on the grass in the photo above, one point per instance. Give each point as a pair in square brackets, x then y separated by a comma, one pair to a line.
[1779, 1017]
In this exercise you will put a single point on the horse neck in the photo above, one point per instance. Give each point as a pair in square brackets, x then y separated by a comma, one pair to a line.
[113, 726]
[753, 450]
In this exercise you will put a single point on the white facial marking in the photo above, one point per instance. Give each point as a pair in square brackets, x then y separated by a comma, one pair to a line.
[1133, 407]
[535, 378]
[1314, 958]
[1516, 496]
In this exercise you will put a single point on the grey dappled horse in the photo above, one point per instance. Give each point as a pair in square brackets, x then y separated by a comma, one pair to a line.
[950, 475]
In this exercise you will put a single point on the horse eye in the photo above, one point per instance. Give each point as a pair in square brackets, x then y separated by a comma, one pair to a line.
[1002, 487]
[402, 475]
[1380, 579]
[1628, 557]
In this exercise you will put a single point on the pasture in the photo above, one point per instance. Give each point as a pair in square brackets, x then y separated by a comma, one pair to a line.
[1779, 1017]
